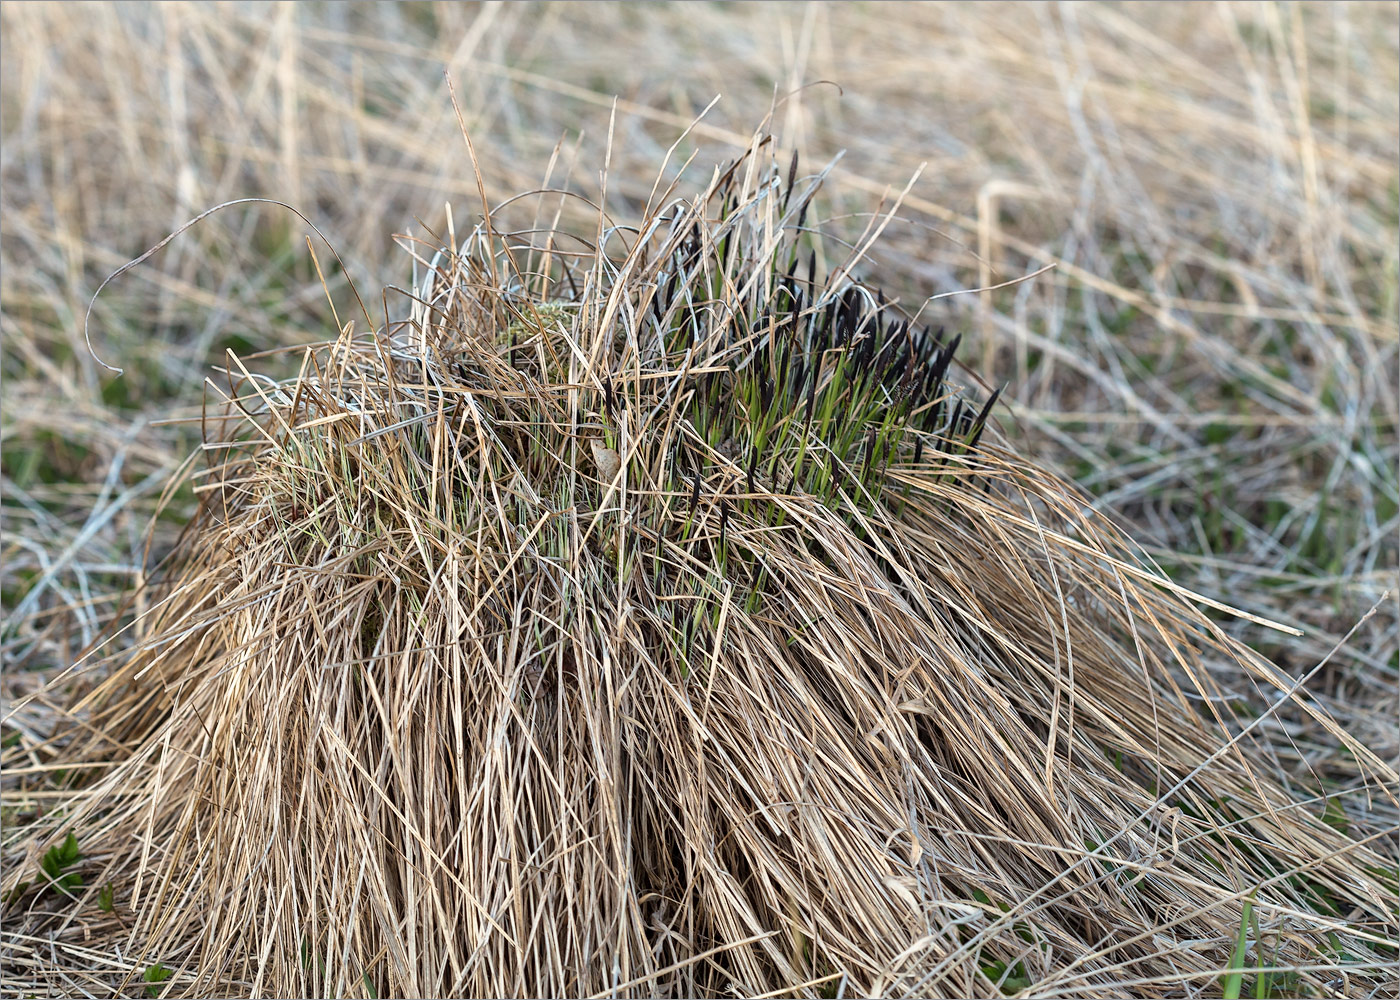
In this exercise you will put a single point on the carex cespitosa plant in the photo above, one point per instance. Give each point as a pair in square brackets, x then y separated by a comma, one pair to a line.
[655, 610]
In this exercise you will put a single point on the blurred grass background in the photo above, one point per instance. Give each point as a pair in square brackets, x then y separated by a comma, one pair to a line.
[1213, 358]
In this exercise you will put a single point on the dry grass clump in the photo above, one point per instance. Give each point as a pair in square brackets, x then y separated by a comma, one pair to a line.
[650, 614]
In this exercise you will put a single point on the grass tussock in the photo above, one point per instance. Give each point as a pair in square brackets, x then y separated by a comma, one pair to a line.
[654, 611]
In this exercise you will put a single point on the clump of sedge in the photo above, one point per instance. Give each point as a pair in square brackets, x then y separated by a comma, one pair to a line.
[657, 617]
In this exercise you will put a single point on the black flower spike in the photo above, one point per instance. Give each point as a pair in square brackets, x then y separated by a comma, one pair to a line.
[812, 393]
[789, 283]
[799, 372]
[802, 216]
[753, 465]
[849, 312]
[795, 288]
[899, 335]
[961, 422]
[692, 246]
[863, 355]
[656, 307]
[887, 352]
[903, 365]
[918, 450]
[723, 520]
[608, 401]
[827, 334]
[791, 180]
[939, 365]
[671, 288]
[918, 383]
[919, 342]
[933, 419]
[869, 454]
[811, 268]
[980, 424]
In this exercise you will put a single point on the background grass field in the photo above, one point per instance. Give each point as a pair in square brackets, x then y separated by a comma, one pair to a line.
[1213, 357]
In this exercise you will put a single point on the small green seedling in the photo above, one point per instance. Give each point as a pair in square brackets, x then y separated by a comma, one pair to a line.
[156, 974]
[1011, 982]
[105, 897]
[56, 862]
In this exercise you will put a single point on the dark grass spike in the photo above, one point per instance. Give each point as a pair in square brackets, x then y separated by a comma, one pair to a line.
[850, 314]
[933, 419]
[938, 367]
[841, 321]
[811, 325]
[693, 244]
[865, 353]
[730, 238]
[671, 288]
[914, 390]
[867, 317]
[980, 424]
[656, 309]
[802, 218]
[826, 335]
[799, 301]
[899, 332]
[758, 324]
[918, 449]
[789, 286]
[882, 358]
[791, 180]
[661, 302]
[783, 364]
[812, 272]
[812, 393]
[793, 388]
[726, 181]
[902, 370]
[753, 467]
[869, 455]
[956, 425]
